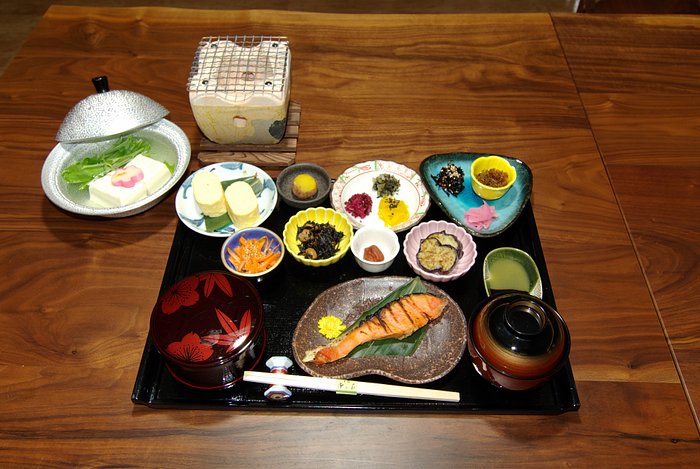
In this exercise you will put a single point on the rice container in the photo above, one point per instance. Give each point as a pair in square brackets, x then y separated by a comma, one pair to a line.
[209, 329]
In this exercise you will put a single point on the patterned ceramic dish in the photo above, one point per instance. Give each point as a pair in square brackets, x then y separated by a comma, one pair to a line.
[507, 208]
[411, 246]
[439, 352]
[191, 215]
[358, 179]
[317, 215]
[272, 242]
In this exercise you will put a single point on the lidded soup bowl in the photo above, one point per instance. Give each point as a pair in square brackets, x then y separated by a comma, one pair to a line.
[208, 328]
[517, 341]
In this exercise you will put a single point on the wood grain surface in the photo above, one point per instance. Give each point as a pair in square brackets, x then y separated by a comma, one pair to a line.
[77, 293]
[638, 82]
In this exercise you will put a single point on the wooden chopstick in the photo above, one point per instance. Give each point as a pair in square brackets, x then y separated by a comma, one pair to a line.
[344, 386]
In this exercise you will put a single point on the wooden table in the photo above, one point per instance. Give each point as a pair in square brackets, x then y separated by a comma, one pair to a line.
[603, 109]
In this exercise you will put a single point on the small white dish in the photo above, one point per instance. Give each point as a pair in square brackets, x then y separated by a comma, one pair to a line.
[191, 215]
[383, 238]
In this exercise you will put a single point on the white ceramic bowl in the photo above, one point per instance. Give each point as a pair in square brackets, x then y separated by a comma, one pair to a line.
[411, 246]
[191, 214]
[384, 238]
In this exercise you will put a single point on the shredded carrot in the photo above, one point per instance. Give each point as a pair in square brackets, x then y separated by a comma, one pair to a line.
[253, 256]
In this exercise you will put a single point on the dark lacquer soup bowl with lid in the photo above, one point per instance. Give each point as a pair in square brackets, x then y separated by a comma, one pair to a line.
[517, 341]
[209, 329]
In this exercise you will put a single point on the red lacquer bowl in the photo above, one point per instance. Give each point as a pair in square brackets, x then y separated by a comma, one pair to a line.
[209, 329]
[517, 341]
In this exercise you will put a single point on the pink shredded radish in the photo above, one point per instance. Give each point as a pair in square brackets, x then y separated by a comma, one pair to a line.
[480, 217]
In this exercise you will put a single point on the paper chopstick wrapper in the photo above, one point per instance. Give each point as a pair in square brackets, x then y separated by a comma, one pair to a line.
[344, 386]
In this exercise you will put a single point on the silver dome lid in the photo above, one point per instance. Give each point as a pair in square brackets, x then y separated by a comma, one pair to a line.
[108, 113]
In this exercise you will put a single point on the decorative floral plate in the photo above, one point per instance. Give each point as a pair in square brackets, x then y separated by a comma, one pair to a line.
[508, 207]
[438, 353]
[359, 178]
[192, 216]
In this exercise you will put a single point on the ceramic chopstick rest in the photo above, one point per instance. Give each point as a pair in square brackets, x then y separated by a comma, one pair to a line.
[278, 392]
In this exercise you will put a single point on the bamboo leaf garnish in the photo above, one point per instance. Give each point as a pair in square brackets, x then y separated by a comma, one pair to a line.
[385, 347]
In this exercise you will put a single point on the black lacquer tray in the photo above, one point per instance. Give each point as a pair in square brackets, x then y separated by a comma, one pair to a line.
[290, 290]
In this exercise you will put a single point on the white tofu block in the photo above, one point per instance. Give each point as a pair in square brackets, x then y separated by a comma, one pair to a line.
[105, 195]
[155, 173]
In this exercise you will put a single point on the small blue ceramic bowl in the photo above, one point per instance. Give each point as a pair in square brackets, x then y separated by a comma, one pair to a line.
[270, 242]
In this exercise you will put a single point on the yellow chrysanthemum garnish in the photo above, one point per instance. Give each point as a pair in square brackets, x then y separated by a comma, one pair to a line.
[330, 327]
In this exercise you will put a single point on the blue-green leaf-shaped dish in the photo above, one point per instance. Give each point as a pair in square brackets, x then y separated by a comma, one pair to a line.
[508, 207]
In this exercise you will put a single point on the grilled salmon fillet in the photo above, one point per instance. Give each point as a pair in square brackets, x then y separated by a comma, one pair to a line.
[398, 319]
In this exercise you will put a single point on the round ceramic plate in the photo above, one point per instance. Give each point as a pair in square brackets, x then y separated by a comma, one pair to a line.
[439, 352]
[192, 216]
[359, 178]
[168, 144]
[508, 207]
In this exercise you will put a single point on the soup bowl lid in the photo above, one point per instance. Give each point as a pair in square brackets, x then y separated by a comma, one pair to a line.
[519, 335]
[207, 319]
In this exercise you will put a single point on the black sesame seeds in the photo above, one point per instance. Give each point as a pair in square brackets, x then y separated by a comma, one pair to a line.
[450, 179]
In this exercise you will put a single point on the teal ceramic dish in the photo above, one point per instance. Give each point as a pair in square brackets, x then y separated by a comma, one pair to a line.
[508, 207]
[511, 269]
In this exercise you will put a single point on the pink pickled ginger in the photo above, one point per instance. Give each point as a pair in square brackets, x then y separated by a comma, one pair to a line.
[480, 217]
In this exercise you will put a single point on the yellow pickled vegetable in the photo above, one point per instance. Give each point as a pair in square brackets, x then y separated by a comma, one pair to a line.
[393, 211]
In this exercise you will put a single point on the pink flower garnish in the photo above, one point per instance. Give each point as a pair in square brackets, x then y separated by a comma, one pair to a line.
[127, 177]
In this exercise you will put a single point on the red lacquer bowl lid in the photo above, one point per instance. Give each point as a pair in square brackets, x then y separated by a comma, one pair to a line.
[206, 319]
